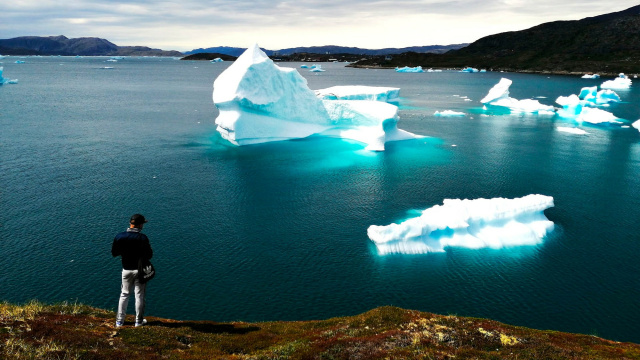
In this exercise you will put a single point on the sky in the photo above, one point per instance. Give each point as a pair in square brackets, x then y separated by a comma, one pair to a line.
[188, 24]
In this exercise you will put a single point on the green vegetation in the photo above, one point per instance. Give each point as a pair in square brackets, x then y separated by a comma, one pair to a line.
[75, 331]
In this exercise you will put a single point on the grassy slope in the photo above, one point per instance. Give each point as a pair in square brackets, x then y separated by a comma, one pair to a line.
[72, 331]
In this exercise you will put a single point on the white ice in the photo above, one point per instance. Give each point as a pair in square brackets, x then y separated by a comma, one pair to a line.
[217, 60]
[595, 97]
[261, 102]
[596, 116]
[449, 113]
[499, 96]
[480, 223]
[406, 69]
[591, 76]
[622, 82]
[571, 130]
[359, 92]
[636, 124]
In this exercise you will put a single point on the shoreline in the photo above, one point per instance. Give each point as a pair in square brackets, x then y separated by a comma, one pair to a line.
[540, 72]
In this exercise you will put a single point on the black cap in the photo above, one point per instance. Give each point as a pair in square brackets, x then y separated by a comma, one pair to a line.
[137, 219]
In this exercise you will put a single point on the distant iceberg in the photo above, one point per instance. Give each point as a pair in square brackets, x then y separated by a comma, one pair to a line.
[317, 68]
[217, 60]
[304, 67]
[449, 113]
[622, 82]
[359, 92]
[591, 76]
[20, 62]
[406, 69]
[471, 70]
[262, 102]
[499, 96]
[480, 223]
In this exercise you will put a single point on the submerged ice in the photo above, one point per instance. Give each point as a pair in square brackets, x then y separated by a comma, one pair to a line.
[262, 102]
[479, 223]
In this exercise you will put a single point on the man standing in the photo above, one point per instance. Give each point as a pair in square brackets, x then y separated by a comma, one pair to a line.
[132, 245]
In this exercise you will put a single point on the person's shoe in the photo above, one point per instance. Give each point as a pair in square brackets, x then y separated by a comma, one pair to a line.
[144, 322]
[119, 324]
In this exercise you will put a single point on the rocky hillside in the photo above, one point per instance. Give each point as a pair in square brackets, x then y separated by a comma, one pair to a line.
[606, 44]
[72, 331]
[61, 45]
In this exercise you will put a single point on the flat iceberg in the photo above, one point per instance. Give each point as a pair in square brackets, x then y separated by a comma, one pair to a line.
[359, 92]
[304, 67]
[406, 69]
[499, 96]
[480, 223]
[471, 70]
[262, 102]
[591, 76]
[216, 60]
[622, 82]
[449, 113]
[571, 130]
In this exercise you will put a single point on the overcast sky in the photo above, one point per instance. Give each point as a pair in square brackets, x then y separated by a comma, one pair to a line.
[187, 24]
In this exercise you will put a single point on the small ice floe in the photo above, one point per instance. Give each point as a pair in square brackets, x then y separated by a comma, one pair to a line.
[19, 62]
[470, 70]
[217, 60]
[591, 76]
[448, 113]
[304, 67]
[571, 130]
[622, 82]
[317, 68]
[498, 96]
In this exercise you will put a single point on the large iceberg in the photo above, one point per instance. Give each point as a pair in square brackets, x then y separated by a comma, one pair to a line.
[406, 69]
[261, 102]
[359, 92]
[499, 96]
[595, 97]
[479, 223]
[636, 125]
[622, 82]
[580, 107]
[597, 116]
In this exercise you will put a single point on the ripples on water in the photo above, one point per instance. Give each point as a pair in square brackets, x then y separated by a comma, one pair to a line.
[278, 231]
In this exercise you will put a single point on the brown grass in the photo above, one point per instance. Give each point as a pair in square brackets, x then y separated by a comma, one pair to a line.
[75, 331]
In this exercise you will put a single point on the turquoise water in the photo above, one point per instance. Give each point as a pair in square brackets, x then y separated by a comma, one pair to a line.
[278, 231]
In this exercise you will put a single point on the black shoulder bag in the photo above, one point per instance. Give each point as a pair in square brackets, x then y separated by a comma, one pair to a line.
[146, 271]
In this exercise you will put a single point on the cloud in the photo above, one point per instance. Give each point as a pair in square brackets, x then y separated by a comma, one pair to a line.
[187, 24]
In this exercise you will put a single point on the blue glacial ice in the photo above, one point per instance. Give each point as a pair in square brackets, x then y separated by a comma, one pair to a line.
[359, 92]
[317, 68]
[591, 76]
[406, 69]
[470, 70]
[498, 96]
[217, 60]
[622, 82]
[480, 223]
[262, 102]
[6, 81]
[304, 66]
[594, 97]
[581, 108]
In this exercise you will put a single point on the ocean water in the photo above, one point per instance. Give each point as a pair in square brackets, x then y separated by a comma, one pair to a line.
[278, 231]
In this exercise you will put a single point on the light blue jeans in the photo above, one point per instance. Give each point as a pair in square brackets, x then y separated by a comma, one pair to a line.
[129, 280]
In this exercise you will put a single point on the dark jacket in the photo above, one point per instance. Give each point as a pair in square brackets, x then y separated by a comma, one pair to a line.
[131, 245]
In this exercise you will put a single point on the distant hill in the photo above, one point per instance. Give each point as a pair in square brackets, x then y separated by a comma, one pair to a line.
[87, 46]
[331, 49]
[605, 44]
[209, 56]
